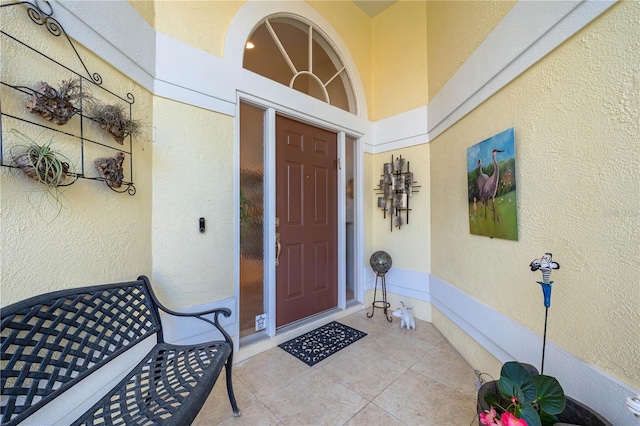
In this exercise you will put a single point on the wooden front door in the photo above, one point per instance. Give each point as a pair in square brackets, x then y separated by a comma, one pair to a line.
[306, 206]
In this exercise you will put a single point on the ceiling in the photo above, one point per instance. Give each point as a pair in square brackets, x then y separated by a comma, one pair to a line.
[373, 7]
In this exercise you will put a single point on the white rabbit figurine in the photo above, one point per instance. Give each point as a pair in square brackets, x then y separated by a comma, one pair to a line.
[406, 317]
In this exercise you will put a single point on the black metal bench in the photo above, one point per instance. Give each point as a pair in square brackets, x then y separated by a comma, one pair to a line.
[52, 341]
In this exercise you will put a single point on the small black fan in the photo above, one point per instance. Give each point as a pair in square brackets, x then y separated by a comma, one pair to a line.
[380, 262]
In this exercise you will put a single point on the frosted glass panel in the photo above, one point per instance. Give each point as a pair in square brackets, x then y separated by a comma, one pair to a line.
[350, 172]
[251, 217]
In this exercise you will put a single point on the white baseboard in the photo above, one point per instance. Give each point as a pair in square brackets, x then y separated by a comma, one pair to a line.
[402, 282]
[493, 330]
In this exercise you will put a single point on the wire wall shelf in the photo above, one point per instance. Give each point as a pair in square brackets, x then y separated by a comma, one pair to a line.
[84, 133]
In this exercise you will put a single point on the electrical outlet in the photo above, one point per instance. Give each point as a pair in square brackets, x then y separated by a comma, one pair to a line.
[261, 322]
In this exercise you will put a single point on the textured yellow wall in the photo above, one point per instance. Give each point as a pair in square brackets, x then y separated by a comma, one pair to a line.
[399, 59]
[576, 118]
[201, 24]
[98, 236]
[454, 30]
[408, 246]
[193, 177]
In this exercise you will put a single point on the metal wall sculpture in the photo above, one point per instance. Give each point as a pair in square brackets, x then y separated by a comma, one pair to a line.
[395, 190]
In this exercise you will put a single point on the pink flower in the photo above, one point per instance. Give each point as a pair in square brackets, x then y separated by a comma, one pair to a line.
[509, 419]
[490, 418]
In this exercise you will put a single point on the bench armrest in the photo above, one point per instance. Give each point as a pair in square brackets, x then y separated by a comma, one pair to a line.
[226, 312]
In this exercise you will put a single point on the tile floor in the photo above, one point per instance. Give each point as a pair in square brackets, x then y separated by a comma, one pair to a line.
[389, 377]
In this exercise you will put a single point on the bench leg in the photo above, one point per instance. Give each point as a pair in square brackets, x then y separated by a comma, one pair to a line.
[232, 397]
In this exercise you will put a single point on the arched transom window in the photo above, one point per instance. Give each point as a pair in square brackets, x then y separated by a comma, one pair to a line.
[296, 54]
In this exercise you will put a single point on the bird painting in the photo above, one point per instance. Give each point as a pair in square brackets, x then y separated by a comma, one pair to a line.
[490, 186]
[482, 179]
[493, 187]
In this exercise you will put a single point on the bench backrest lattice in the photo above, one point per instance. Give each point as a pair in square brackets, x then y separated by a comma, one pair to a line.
[50, 342]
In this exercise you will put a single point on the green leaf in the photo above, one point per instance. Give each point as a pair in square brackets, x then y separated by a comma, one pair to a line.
[530, 415]
[492, 399]
[509, 389]
[522, 378]
[550, 394]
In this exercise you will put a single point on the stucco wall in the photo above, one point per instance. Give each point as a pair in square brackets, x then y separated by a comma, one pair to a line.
[409, 245]
[201, 24]
[98, 236]
[454, 30]
[193, 162]
[399, 59]
[575, 115]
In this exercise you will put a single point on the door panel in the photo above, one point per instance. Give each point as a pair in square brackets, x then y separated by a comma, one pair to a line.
[306, 203]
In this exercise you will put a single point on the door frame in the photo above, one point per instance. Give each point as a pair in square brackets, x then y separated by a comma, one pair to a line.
[271, 110]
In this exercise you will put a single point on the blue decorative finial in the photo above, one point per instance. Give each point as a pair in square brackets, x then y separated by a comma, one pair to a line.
[545, 265]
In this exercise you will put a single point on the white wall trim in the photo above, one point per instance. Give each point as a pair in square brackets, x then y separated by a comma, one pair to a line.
[580, 380]
[400, 131]
[172, 69]
[402, 282]
[192, 76]
[108, 33]
[529, 32]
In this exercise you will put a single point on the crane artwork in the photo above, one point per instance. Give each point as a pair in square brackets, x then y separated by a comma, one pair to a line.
[488, 185]
[482, 179]
[492, 187]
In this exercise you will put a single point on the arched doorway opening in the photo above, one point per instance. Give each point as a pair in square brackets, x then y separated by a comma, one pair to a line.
[296, 54]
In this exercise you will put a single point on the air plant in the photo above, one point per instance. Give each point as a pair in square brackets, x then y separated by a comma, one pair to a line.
[54, 105]
[41, 162]
[113, 120]
[44, 164]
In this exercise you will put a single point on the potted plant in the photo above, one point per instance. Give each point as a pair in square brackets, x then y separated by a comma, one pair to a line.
[54, 105]
[113, 120]
[522, 397]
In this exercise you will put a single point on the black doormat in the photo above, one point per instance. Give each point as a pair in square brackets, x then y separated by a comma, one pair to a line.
[318, 344]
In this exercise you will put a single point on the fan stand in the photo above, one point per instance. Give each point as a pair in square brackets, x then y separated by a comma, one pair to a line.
[380, 304]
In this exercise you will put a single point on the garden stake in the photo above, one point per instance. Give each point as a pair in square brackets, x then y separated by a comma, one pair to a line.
[545, 265]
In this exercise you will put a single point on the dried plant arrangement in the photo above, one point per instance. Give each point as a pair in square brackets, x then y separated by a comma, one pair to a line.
[113, 120]
[111, 170]
[57, 106]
